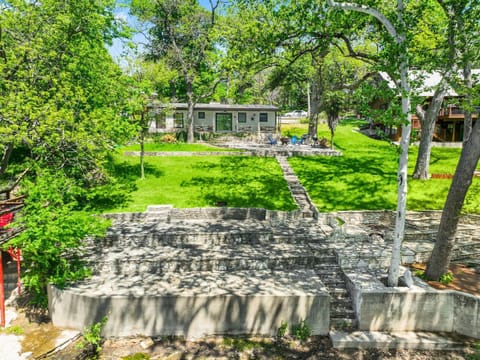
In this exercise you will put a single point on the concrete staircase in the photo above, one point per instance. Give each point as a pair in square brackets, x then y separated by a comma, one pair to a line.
[342, 315]
[156, 275]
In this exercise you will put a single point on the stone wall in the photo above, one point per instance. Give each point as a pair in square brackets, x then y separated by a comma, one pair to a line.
[363, 239]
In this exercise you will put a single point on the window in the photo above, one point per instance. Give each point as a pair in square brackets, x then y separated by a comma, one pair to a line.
[201, 114]
[263, 117]
[178, 118]
[160, 121]
[242, 117]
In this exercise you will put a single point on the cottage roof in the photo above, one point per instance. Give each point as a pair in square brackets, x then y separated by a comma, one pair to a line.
[427, 81]
[222, 107]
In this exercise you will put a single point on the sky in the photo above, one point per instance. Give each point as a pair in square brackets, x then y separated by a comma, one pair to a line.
[119, 47]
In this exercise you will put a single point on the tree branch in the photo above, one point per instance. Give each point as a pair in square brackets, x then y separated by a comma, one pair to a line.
[370, 11]
[6, 157]
[355, 54]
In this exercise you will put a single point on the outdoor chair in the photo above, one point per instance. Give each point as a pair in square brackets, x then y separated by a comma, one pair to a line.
[303, 139]
[271, 140]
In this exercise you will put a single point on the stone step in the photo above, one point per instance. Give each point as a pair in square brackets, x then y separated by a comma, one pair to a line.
[342, 324]
[431, 234]
[346, 313]
[339, 296]
[193, 304]
[407, 340]
[201, 257]
[333, 282]
[153, 234]
[176, 238]
[339, 304]
[136, 266]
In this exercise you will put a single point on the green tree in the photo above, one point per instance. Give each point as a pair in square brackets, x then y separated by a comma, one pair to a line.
[451, 47]
[293, 40]
[59, 121]
[183, 34]
[145, 81]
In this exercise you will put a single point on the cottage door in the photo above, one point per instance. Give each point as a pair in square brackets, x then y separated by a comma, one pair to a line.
[223, 122]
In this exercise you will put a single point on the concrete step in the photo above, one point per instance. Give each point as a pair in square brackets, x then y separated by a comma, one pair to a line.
[206, 257]
[345, 313]
[407, 340]
[339, 296]
[150, 234]
[193, 304]
[342, 324]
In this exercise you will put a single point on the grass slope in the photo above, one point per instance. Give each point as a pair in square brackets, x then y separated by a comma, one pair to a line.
[189, 181]
[365, 177]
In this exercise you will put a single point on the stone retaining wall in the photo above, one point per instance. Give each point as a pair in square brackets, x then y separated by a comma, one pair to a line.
[226, 213]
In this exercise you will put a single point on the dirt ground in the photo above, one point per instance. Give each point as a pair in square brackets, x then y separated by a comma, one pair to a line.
[466, 279]
[37, 338]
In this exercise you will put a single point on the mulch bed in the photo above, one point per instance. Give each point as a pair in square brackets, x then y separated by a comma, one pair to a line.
[466, 279]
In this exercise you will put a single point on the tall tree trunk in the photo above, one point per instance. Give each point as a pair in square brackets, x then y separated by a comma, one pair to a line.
[332, 125]
[7, 152]
[422, 166]
[143, 132]
[442, 251]
[427, 122]
[142, 155]
[313, 125]
[190, 118]
[402, 176]
[309, 100]
[467, 123]
[393, 271]
[316, 102]
[400, 39]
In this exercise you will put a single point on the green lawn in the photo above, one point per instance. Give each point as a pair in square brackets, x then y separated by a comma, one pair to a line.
[365, 177]
[190, 181]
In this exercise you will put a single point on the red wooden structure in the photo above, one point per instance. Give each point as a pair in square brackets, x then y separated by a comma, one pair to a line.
[8, 207]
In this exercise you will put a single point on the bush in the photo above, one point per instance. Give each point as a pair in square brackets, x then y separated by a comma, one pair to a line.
[54, 231]
[167, 138]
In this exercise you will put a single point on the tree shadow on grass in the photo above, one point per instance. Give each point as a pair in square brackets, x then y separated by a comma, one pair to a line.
[342, 183]
[243, 182]
[125, 176]
[129, 173]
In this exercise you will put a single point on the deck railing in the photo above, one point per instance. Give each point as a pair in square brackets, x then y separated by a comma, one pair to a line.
[456, 110]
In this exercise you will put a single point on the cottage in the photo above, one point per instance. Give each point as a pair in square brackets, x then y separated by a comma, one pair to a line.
[218, 118]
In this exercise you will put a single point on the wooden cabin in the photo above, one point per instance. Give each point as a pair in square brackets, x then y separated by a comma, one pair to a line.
[449, 126]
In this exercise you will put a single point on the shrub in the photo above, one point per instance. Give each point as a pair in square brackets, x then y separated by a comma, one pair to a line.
[167, 138]
[54, 231]
[301, 331]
